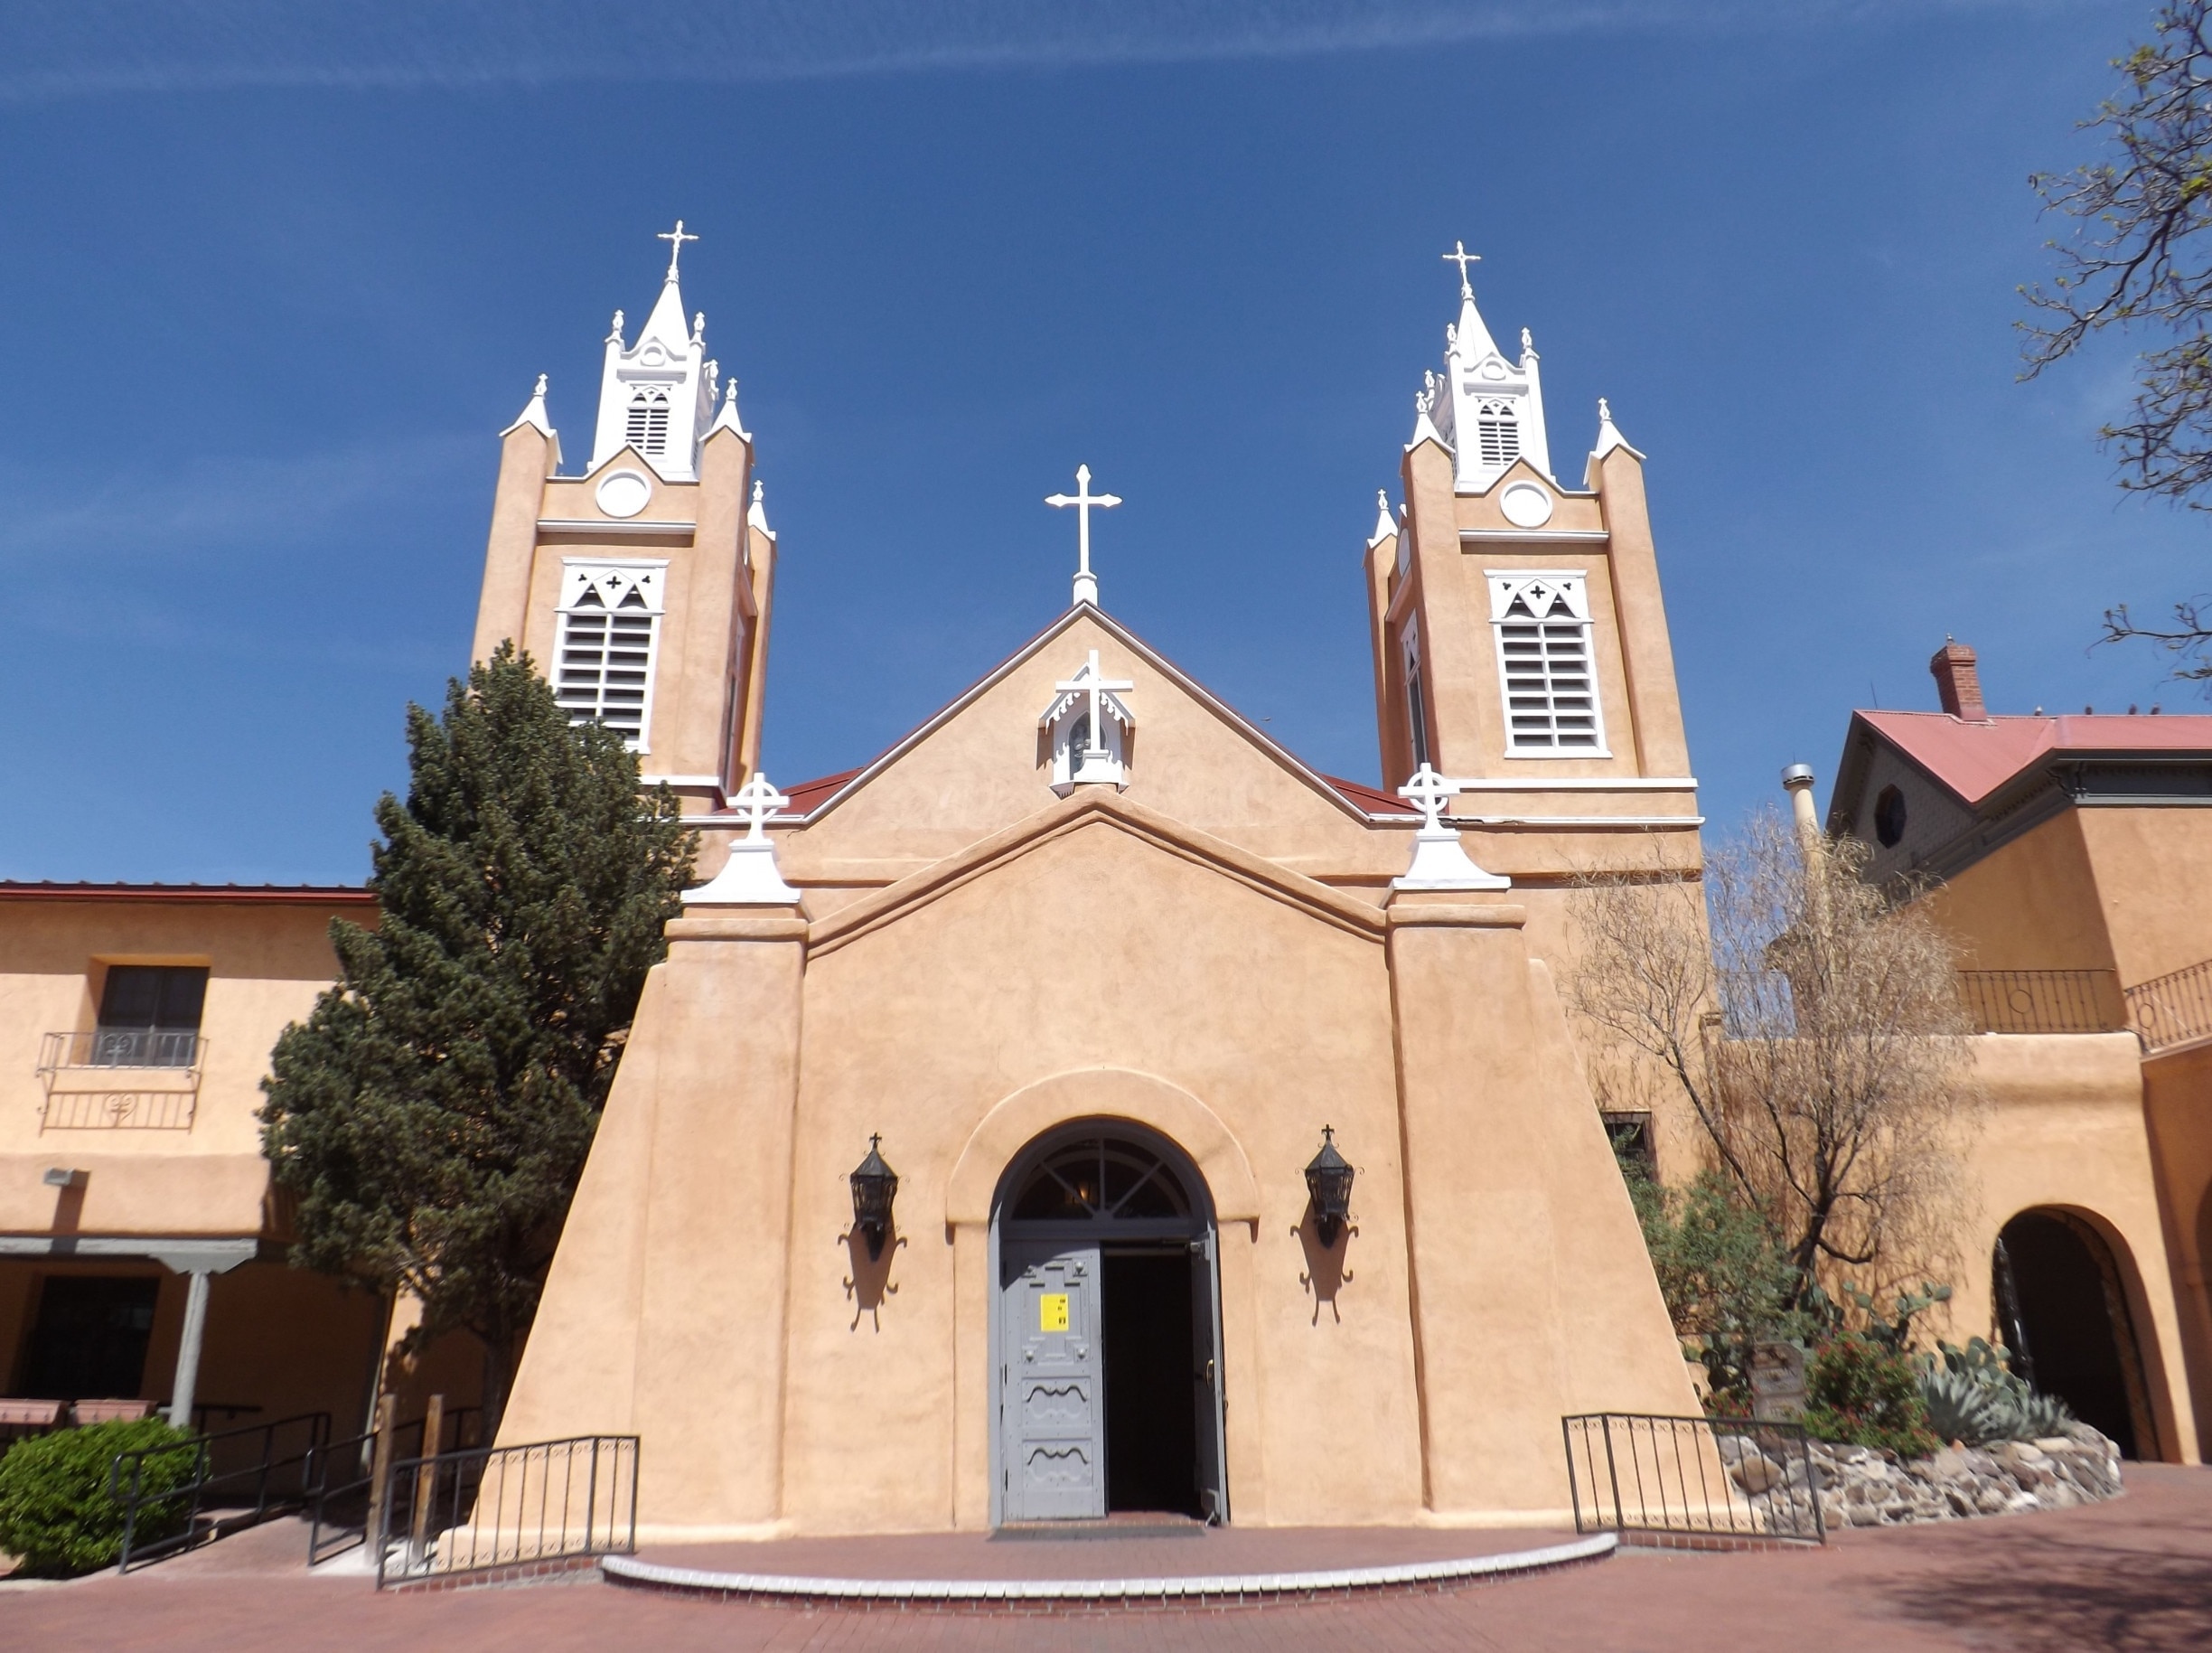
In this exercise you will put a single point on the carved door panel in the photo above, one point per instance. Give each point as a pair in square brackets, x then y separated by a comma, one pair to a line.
[1052, 1403]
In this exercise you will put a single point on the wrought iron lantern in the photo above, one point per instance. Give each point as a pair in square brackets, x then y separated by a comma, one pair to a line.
[875, 1185]
[1329, 1183]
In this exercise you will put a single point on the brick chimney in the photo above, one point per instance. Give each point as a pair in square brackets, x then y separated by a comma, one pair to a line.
[1958, 682]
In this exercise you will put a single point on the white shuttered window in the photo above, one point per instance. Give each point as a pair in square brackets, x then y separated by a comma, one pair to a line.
[610, 631]
[1543, 641]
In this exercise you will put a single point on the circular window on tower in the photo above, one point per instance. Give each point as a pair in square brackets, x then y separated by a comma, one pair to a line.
[624, 494]
[1889, 817]
[1526, 504]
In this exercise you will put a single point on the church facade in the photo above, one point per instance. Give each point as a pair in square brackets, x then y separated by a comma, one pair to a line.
[1098, 971]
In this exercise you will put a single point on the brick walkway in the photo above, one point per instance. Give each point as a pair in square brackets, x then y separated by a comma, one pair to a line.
[2134, 1574]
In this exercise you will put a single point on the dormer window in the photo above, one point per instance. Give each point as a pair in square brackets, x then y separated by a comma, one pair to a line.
[649, 423]
[610, 633]
[1497, 433]
[1544, 667]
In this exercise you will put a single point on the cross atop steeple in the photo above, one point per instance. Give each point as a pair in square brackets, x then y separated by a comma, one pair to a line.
[675, 238]
[1459, 255]
[1082, 499]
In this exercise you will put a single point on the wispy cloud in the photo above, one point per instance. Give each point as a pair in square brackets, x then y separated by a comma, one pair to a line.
[84, 48]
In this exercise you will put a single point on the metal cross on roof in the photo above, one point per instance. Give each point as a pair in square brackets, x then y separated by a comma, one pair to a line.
[1430, 792]
[675, 238]
[1082, 499]
[1459, 255]
[758, 800]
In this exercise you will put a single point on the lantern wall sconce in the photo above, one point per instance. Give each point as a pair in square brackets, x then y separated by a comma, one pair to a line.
[1328, 1184]
[875, 1185]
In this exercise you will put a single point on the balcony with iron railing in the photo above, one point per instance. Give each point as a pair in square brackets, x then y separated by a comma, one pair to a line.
[2174, 1010]
[120, 1078]
[2043, 1000]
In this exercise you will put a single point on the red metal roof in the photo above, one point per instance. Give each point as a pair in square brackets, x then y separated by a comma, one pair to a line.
[1368, 798]
[292, 894]
[1975, 759]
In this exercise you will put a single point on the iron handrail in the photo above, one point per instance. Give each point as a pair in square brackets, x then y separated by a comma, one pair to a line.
[490, 1508]
[167, 1048]
[269, 1497]
[2174, 1009]
[2043, 1000]
[329, 1502]
[1693, 1479]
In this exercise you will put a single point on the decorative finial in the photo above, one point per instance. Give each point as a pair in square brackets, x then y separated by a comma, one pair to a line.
[1383, 501]
[1605, 411]
[729, 390]
[756, 490]
[541, 386]
[1460, 256]
[1082, 499]
[1528, 343]
[615, 333]
[1451, 336]
[675, 238]
[698, 327]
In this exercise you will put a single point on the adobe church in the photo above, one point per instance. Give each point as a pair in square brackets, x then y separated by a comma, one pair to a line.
[1087, 1106]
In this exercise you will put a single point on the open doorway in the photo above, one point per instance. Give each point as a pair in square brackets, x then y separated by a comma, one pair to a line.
[1108, 1333]
[2062, 1308]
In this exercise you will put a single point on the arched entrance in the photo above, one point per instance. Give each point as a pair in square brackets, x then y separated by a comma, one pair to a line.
[1107, 1335]
[2062, 1308]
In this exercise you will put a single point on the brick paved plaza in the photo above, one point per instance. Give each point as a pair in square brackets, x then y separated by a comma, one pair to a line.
[2134, 1574]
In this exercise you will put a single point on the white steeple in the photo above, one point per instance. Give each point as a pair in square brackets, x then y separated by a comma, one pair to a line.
[655, 396]
[1494, 412]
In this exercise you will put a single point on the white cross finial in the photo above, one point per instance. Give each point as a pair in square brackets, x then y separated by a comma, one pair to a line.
[758, 800]
[1430, 792]
[1459, 255]
[1091, 681]
[1082, 499]
[675, 238]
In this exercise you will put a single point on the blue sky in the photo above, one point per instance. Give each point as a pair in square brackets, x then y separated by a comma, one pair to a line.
[276, 277]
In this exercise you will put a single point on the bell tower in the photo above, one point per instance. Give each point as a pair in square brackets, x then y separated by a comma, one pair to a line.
[643, 586]
[1519, 639]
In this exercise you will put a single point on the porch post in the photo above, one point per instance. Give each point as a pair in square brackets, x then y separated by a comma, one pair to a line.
[188, 1349]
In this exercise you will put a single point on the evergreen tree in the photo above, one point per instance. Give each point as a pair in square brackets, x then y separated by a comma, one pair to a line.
[432, 1115]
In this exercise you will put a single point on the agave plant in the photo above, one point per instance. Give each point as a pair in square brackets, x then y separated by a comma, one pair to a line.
[1972, 1396]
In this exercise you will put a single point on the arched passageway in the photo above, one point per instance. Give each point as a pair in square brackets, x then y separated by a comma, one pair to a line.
[2062, 1306]
[1108, 1331]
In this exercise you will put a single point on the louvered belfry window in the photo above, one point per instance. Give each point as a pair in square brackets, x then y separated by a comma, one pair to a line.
[649, 420]
[1497, 433]
[1543, 640]
[610, 622]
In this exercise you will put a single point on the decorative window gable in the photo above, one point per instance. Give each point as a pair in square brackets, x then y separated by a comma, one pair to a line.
[609, 633]
[1542, 623]
[1078, 755]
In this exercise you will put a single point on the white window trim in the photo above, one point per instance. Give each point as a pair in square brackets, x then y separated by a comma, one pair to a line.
[1573, 586]
[576, 574]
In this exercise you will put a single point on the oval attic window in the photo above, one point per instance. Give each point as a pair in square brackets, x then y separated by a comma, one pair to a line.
[1889, 817]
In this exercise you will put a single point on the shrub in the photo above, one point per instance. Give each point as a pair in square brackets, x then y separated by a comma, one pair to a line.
[1724, 1278]
[1862, 1394]
[56, 1513]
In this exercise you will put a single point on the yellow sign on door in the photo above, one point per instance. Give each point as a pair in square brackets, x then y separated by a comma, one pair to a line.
[1052, 1311]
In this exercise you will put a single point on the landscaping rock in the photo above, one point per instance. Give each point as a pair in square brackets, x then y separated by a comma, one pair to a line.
[1859, 1486]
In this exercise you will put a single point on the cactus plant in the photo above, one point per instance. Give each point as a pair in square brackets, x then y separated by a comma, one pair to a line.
[1971, 1396]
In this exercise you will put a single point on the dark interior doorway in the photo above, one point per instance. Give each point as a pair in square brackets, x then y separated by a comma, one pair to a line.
[1151, 1416]
[90, 1340]
[2065, 1317]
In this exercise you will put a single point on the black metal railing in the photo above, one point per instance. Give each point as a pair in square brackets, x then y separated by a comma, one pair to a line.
[1692, 1479]
[342, 1478]
[2042, 1001]
[123, 1047]
[184, 1494]
[504, 1508]
[2174, 1009]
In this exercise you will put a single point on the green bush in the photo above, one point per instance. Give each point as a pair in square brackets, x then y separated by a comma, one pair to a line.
[56, 1513]
[1861, 1393]
[1724, 1278]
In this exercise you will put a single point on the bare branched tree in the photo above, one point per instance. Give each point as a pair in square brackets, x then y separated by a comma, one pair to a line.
[1813, 1027]
[2132, 261]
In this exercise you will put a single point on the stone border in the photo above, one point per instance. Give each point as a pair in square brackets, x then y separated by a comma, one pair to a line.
[1860, 1487]
[1196, 1590]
